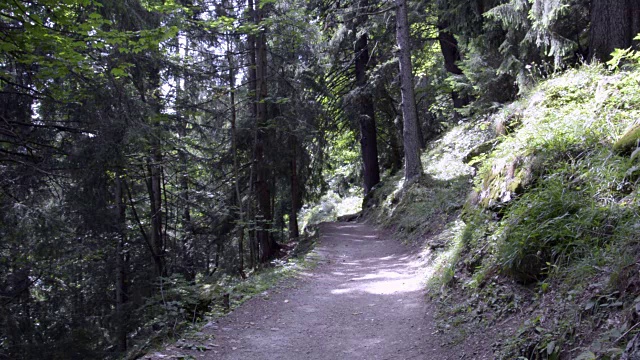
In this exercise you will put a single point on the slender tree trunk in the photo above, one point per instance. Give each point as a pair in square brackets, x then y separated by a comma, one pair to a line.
[218, 252]
[121, 321]
[413, 165]
[234, 149]
[253, 111]
[366, 115]
[186, 246]
[187, 242]
[154, 168]
[294, 232]
[154, 186]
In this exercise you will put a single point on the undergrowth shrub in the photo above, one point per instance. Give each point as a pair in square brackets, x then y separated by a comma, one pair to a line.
[573, 211]
[179, 302]
[551, 226]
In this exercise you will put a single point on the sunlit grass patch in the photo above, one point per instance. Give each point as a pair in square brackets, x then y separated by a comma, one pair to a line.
[556, 208]
[441, 269]
[444, 159]
[329, 207]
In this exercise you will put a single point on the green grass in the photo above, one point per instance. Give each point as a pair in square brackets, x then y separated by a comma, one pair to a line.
[549, 208]
[422, 210]
[556, 206]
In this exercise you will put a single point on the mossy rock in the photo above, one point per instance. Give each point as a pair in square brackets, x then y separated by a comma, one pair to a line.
[505, 125]
[506, 180]
[478, 150]
[350, 217]
[629, 140]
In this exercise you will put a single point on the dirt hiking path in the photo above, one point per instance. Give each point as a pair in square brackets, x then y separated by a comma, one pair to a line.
[365, 300]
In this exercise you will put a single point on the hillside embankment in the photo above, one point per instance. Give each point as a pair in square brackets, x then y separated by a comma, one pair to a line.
[530, 218]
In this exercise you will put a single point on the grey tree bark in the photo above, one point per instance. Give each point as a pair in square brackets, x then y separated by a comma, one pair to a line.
[294, 232]
[413, 166]
[614, 24]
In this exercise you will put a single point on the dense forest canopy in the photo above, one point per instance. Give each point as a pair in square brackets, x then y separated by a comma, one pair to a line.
[149, 142]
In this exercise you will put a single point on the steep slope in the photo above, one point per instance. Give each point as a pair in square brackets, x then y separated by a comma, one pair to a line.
[530, 217]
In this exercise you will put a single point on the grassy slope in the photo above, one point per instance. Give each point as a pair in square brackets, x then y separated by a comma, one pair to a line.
[530, 215]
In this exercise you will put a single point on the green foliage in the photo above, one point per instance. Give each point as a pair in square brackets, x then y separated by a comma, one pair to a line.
[178, 302]
[569, 225]
[620, 56]
[571, 187]
[555, 224]
[508, 45]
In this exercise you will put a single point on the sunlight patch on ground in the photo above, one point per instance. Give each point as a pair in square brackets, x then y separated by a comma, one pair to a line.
[407, 278]
[386, 286]
[442, 262]
[410, 273]
[348, 226]
[381, 275]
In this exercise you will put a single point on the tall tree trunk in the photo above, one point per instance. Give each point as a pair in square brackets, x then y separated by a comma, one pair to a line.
[234, 149]
[253, 111]
[187, 241]
[366, 115]
[149, 86]
[268, 247]
[154, 186]
[451, 55]
[614, 24]
[294, 232]
[413, 165]
[187, 244]
[121, 321]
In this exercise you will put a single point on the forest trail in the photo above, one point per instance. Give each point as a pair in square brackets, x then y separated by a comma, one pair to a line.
[365, 300]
